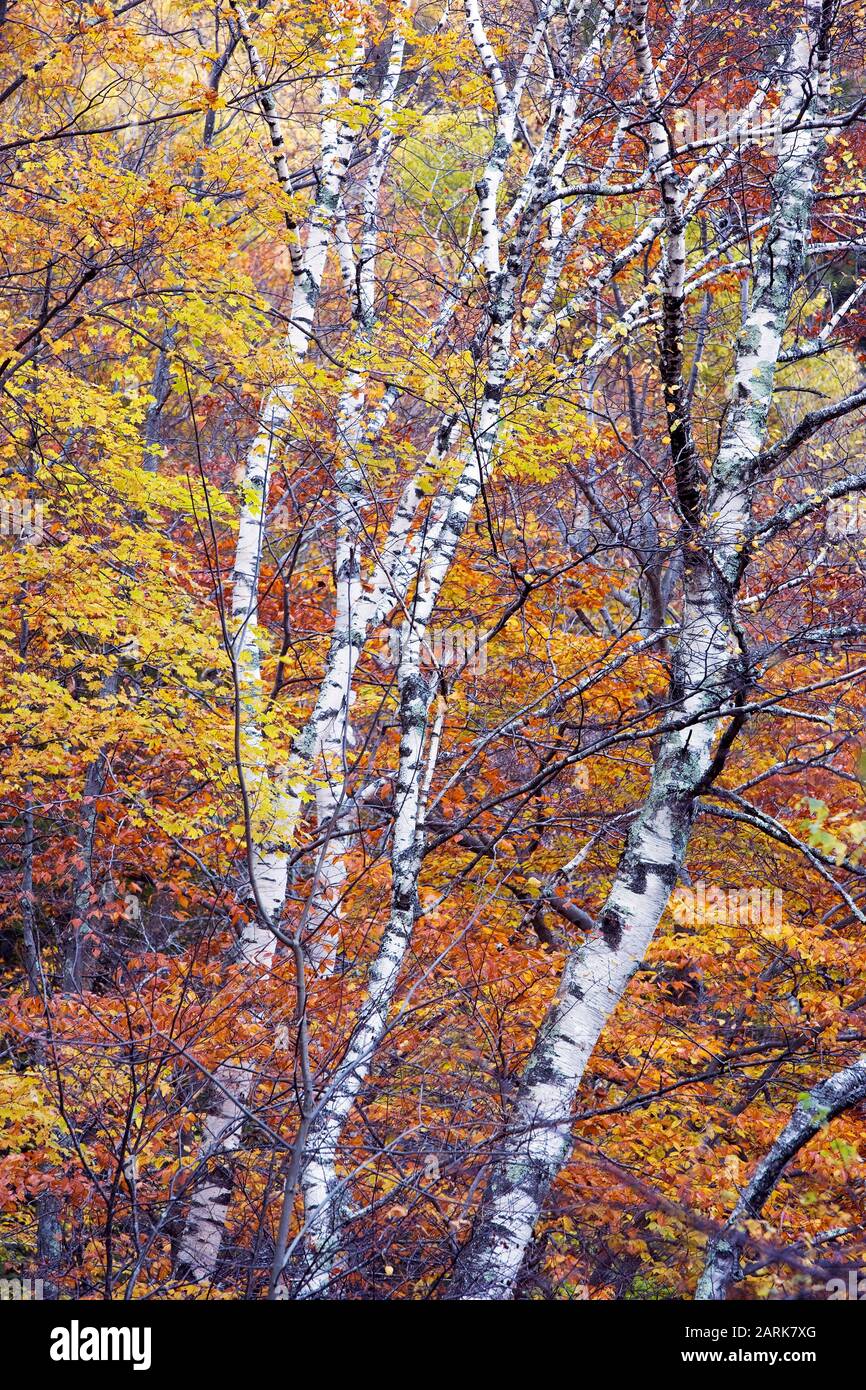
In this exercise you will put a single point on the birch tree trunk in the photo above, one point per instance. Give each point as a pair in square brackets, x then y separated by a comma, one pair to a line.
[336, 736]
[359, 609]
[324, 1193]
[270, 816]
[823, 1103]
[706, 678]
[273, 815]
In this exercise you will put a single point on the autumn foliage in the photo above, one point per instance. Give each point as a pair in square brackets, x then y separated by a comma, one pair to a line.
[167, 166]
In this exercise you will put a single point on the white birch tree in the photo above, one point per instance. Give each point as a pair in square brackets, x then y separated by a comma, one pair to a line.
[708, 671]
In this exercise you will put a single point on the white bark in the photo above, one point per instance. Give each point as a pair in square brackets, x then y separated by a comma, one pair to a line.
[273, 821]
[270, 827]
[335, 736]
[268, 108]
[324, 1194]
[706, 675]
[823, 1103]
[322, 1190]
